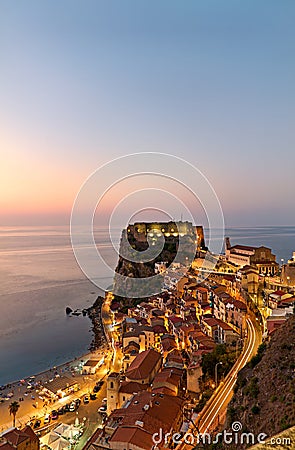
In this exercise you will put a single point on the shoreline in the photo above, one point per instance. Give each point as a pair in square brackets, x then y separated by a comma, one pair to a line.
[98, 341]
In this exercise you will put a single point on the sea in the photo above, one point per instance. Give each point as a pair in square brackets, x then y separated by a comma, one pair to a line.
[40, 277]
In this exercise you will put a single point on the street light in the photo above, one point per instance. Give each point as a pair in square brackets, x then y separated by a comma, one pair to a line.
[216, 372]
[288, 283]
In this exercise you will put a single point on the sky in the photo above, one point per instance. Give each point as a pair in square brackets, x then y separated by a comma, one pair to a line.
[209, 81]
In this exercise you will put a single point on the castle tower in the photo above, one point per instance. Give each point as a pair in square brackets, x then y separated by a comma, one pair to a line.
[113, 384]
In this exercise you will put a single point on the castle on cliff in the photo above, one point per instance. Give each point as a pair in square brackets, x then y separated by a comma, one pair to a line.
[141, 230]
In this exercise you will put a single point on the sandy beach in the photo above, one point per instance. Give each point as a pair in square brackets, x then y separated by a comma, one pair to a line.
[27, 391]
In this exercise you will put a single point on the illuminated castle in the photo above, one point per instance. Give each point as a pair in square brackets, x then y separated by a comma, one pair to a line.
[141, 230]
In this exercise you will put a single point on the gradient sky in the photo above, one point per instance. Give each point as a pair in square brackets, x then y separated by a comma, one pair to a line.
[82, 82]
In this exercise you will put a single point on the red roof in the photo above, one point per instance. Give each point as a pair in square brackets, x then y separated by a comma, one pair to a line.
[16, 436]
[229, 277]
[5, 446]
[163, 390]
[158, 329]
[168, 343]
[133, 435]
[131, 387]
[278, 292]
[287, 300]
[243, 247]
[240, 305]
[212, 321]
[174, 355]
[143, 364]
[175, 319]
[162, 411]
[202, 289]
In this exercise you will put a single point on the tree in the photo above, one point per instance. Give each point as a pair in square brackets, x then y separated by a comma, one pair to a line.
[13, 408]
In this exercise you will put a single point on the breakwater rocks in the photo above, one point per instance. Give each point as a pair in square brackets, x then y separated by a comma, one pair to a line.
[94, 314]
[76, 312]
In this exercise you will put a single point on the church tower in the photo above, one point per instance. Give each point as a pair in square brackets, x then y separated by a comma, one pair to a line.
[113, 384]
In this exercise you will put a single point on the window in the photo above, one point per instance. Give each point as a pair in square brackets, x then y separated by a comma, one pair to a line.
[112, 385]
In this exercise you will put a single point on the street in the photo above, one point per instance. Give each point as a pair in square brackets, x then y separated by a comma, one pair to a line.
[215, 408]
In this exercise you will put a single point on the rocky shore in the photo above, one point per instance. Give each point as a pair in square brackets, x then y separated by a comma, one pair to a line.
[94, 314]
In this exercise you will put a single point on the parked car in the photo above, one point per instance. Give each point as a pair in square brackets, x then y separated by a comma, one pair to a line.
[37, 423]
[78, 402]
[54, 414]
[102, 409]
[104, 400]
[67, 407]
[61, 411]
[47, 419]
[86, 399]
[96, 389]
[73, 407]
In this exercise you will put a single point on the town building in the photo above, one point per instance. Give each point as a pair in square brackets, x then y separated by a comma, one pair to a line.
[144, 367]
[132, 426]
[229, 309]
[91, 366]
[259, 257]
[142, 335]
[220, 331]
[60, 387]
[288, 272]
[249, 278]
[19, 439]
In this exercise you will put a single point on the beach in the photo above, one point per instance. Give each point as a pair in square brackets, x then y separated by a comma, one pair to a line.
[27, 391]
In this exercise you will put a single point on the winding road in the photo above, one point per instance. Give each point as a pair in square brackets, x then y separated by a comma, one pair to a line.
[215, 408]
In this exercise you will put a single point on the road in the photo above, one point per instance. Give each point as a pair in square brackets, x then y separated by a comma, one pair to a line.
[111, 335]
[215, 408]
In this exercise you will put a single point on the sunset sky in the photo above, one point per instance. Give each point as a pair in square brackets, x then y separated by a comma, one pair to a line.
[209, 81]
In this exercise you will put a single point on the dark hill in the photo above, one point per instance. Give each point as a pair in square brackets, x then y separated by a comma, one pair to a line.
[264, 398]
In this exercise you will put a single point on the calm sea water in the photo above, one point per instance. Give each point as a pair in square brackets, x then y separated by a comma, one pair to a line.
[39, 277]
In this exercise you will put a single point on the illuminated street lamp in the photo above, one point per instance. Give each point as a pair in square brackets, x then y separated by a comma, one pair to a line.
[216, 366]
[288, 283]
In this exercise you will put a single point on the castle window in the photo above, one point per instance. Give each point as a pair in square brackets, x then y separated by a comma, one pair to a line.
[112, 385]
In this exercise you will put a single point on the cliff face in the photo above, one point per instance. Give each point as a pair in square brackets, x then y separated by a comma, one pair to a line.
[264, 398]
[156, 242]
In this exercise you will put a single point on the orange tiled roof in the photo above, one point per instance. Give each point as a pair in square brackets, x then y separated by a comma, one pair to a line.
[133, 435]
[143, 364]
[131, 387]
[15, 437]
